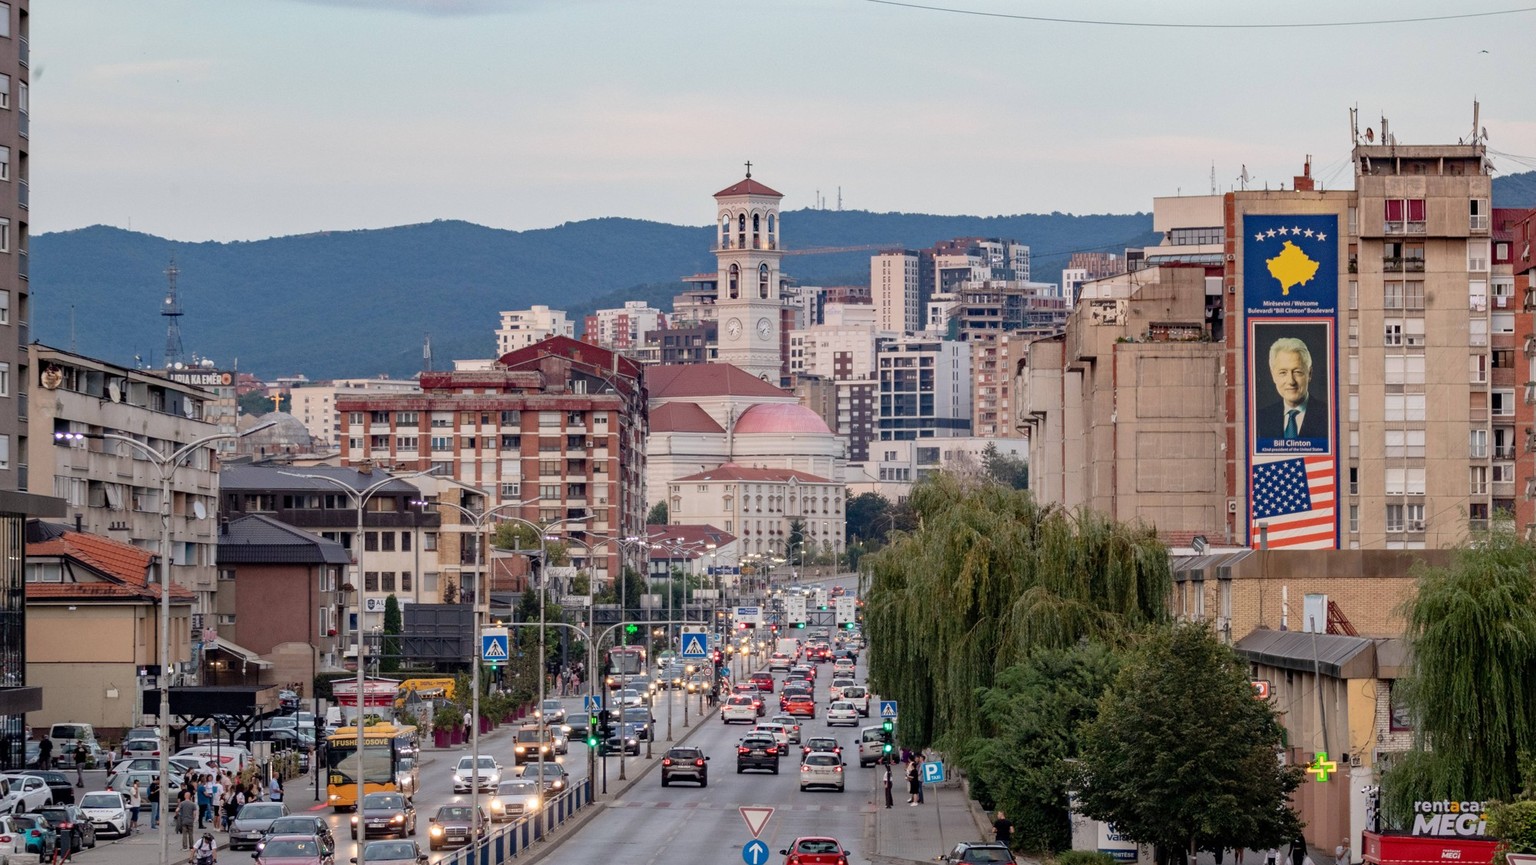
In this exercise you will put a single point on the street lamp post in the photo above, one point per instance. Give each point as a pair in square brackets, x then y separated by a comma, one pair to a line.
[166, 466]
[359, 499]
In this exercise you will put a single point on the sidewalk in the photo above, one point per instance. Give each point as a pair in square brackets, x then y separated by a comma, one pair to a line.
[903, 834]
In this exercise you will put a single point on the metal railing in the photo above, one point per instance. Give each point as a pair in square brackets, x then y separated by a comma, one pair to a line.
[499, 845]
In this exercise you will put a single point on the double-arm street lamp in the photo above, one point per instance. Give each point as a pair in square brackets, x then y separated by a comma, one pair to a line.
[359, 499]
[166, 466]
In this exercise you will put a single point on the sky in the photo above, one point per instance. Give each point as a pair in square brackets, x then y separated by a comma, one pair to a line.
[245, 119]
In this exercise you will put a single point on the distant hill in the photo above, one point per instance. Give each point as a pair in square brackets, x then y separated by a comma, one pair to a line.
[357, 303]
[1515, 190]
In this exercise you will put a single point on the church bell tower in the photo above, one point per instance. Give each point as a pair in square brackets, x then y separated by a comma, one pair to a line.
[747, 247]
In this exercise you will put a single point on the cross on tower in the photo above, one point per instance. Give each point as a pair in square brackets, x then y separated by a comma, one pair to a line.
[749, 169]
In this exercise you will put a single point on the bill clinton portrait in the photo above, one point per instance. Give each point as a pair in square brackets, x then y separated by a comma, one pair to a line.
[1290, 385]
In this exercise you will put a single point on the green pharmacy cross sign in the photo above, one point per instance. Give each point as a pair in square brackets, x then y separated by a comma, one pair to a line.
[1322, 767]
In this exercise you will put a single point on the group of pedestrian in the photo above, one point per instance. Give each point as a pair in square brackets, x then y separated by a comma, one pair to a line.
[570, 679]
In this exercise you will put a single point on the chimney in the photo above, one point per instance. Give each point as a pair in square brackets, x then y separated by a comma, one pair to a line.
[1303, 182]
[365, 467]
[79, 518]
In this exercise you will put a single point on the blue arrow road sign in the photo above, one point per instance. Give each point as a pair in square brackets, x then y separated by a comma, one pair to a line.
[933, 772]
[694, 646]
[755, 852]
[594, 704]
[493, 647]
[887, 708]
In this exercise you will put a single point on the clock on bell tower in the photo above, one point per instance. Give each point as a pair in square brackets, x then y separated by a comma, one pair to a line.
[748, 300]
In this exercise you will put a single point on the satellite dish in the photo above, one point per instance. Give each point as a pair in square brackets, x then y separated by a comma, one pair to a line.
[199, 510]
[115, 390]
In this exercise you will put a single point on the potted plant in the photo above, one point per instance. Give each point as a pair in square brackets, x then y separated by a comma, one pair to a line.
[447, 726]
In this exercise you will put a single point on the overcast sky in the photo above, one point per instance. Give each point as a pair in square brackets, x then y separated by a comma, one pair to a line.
[246, 119]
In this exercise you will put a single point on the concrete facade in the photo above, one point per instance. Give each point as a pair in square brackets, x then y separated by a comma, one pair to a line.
[521, 328]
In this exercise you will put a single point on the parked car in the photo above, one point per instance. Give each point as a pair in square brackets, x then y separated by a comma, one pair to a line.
[23, 794]
[685, 763]
[252, 822]
[139, 748]
[12, 839]
[122, 780]
[108, 810]
[66, 820]
[451, 826]
[60, 786]
[37, 834]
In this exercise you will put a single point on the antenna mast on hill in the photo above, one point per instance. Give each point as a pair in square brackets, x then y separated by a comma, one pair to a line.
[172, 312]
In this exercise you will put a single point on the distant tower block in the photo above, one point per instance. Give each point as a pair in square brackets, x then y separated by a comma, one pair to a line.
[171, 309]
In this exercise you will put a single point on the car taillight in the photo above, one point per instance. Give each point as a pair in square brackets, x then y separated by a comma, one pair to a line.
[698, 762]
[837, 769]
[805, 767]
[773, 750]
[742, 750]
[666, 761]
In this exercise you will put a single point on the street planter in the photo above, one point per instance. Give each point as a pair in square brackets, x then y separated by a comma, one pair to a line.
[440, 738]
[456, 736]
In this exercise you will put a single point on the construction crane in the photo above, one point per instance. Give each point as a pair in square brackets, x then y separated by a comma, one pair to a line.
[829, 250]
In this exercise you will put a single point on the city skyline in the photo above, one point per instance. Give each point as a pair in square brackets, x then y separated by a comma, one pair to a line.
[244, 120]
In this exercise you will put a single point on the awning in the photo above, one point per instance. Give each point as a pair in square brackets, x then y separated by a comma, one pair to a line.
[241, 654]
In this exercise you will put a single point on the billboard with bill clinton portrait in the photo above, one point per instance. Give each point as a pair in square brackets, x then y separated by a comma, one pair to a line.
[1290, 307]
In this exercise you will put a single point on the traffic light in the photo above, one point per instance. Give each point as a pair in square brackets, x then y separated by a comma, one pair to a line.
[848, 626]
[605, 724]
[799, 624]
[592, 727]
[887, 745]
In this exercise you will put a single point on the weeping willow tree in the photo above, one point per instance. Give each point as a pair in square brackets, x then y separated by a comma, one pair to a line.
[1472, 690]
[986, 577]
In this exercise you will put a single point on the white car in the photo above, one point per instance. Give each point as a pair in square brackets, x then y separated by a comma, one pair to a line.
[842, 665]
[13, 839]
[779, 733]
[835, 690]
[738, 707]
[23, 794]
[467, 773]
[779, 662]
[821, 769]
[858, 695]
[842, 712]
[627, 697]
[108, 810]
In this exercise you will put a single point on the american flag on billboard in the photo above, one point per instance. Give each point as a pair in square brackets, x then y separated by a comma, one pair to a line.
[1294, 497]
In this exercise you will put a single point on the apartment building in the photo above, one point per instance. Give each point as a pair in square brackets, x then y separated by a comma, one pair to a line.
[623, 329]
[1518, 232]
[521, 328]
[924, 388]
[1087, 266]
[995, 366]
[315, 404]
[553, 434]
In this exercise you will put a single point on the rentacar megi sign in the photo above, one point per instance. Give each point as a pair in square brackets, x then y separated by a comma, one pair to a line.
[1448, 818]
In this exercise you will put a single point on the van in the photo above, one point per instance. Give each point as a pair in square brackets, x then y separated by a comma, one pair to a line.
[66, 736]
[871, 747]
[218, 755]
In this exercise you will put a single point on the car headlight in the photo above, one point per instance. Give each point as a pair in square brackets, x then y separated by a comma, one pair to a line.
[398, 818]
[495, 804]
[532, 804]
[436, 831]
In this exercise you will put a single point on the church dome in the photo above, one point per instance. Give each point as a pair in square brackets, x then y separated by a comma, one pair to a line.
[780, 419]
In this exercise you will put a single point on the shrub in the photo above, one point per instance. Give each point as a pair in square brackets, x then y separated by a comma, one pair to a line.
[1084, 857]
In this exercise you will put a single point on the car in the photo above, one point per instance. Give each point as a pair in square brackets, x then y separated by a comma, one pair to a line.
[777, 731]
[641, 719]
[779, 662]
[821, 770]
[407, 776]
[485, 775]
[803, 671]
[791, 727]
[763, 680]
[24, 794]
[842, 712]
[700, 683]
[552, 712]
[179, 766]
[843, 664]
[123, 780]
[253, 821]
[37, 836]
[13, 840]
[625, 740]
[814, 850]
[871, 745]
[685, 763]
[139, 748]
[821, 744]
[737, 708]
[531, 742]
[514, 798]
[390, 814]
[300, 824]
[393, 853]
[800, 705]
[66, 820]
[451, 827]
[560, 738]
[979, 851]
[294, 850]
[627, 697]
[835, 690]
[108, 810]
[554, 775]
[578, 726]
[758, 751]
[858, 695]
[60, 786]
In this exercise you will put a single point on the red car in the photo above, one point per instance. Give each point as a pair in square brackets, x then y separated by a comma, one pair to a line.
[812, 850]
[763, 681]
[800, 705]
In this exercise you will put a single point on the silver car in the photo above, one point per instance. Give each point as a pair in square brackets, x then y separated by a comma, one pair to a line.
[252, 822]
[393, 853]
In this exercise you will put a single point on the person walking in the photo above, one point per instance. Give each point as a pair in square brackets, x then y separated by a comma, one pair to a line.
[914, 783]
[45, 753]
[80, 755]
[204, 797]
[135, 802]
[186, 818]
[275, 788]
[1340, 853]
[888, 783]
[154, 803]
[1002, 827]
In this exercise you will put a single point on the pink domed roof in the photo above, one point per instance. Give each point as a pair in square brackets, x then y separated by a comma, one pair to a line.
[780, 419]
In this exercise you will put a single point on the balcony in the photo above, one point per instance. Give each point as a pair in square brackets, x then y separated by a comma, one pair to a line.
[1394, 226]
[1504, 452]
[23, 195]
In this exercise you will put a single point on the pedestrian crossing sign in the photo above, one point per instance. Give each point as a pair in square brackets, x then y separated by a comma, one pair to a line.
[493, 645]
[694, 646]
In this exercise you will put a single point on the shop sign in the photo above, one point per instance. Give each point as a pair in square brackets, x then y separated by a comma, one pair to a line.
[1449, 819]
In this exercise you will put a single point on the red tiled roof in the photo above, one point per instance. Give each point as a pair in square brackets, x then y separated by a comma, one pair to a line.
[747, 187]
[680, 380]
[578, 351]
[734, 472]
[124, 568]
[683, 417]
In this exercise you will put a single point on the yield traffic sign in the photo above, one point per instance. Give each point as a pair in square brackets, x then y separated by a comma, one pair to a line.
[756, 817]
[887, 708]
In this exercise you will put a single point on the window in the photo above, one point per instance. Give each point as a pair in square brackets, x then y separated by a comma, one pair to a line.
[1503, 402]
[429, 542]
[511, 418]
[1354, 294]
[1354, 480]
[5, 456]
[1477, 444]
[371, 581]
[405, 542]
[1403, 294]
[5, 379]
[5, 307]
[5, 235]
[5, 163]
[1401, 717]
[407, 418]
[1477, 255]
[1405, 216]
[407, 443]
[371, 542]
[1503, 473]
[387, 542]
[405, 581]
[442, 443]
[511, 443]
[1354, 519]
[1478, 480]
[1405, 369]
[1404, 407]
[1394, 334]
[1503, 322]
[1405, 482]
[387, 581]
[1395, 518]
[510, 490]
[549, 491]
[5, 91]
[1477, 212]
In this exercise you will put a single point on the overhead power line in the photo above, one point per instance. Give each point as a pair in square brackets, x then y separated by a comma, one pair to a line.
[1181, 26]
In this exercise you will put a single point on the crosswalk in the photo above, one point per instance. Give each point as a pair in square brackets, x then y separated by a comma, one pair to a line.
[733, 806]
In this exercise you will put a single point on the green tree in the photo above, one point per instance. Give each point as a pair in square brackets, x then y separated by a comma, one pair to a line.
[985, 577]
[1472, 687]
[794, 546]
[1182, 756]
[865, 512]
[394, 625]
[1034, 712]
[657, 515]
[1007, 469]
[254, 403]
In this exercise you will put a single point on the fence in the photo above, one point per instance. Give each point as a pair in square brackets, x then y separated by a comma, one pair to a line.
[502, 844]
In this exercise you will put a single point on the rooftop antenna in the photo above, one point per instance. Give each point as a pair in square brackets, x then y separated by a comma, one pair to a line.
[1243, 178]
[172, 312]
[426, 351]
[1476, 129]
[1213, 177]
[839, 198]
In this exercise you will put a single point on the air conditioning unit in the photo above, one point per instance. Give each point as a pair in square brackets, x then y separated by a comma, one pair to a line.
[1415, 525]
[1232, 506]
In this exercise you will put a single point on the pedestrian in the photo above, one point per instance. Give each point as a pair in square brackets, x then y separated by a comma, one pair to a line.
[154, 803]
[186, 818]
[1341, 853]
[206, 852]
[45, 753]
[135, 801]
[914, 783]
[917, 760]
[80, 755]
[1237, 855]
[467, 721]
[888, 784]
[1002, 827]
[1299, 850]
[275, 788]
[204, 798]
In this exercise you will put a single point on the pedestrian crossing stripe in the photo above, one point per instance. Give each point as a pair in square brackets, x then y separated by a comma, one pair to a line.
[693, 646]
[495, 649]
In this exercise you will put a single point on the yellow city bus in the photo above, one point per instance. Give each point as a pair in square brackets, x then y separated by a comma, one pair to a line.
[389, 751]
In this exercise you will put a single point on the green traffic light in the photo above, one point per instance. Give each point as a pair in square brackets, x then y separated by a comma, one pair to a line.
[799, 624]
[888, 726]
[631, 628]
[887, 747]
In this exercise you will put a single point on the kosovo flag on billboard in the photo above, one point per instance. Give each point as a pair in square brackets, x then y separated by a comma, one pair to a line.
[1291, 264]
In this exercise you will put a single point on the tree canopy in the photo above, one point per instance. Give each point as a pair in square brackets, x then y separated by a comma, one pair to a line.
[1182, 756]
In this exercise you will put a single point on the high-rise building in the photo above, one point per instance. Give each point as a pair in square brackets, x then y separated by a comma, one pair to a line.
[901, 282]
[1519, 234]
[995, 367]
[925, 388]
[749, 294]
[625, 328]
[521, 328]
